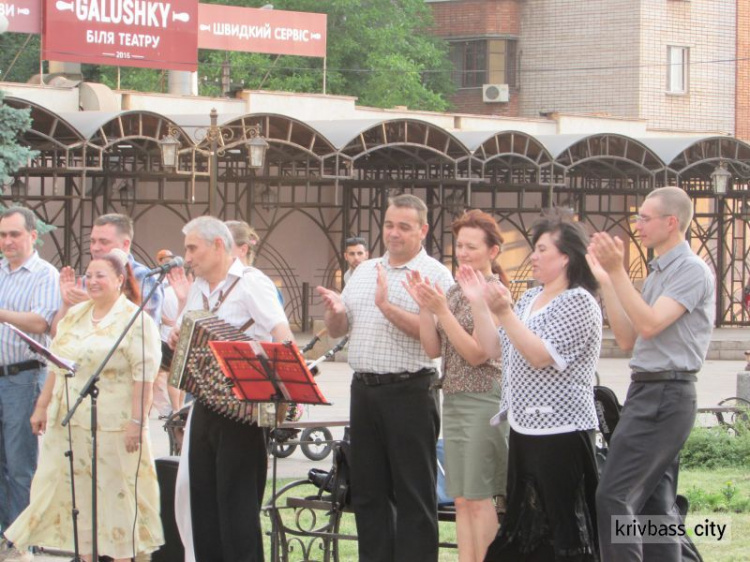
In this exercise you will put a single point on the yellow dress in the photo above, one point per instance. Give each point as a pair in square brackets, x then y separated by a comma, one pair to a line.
[47, 521]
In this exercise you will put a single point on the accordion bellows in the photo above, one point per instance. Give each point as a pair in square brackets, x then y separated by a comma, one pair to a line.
[196, 370]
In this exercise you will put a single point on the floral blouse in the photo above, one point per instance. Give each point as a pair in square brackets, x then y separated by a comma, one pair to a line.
[458, 374]
[137, 359]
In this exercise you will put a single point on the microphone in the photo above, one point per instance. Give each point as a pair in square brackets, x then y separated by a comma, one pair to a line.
[165, 267]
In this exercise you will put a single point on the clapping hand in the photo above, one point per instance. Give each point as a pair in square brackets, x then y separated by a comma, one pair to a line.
[596, 268]
[609, 252]
[331, 300]
[475, 289]
[472, 283]
[180, 283]
[428, 296]
[71, 289]
[412, 283]
[498, 297]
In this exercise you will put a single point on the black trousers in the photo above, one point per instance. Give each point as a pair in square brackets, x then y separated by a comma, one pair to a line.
[228, 463]
[394, 431]
[640, 476]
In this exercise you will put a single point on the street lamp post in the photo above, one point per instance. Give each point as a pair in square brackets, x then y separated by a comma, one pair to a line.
[219, 140]
[720, 179]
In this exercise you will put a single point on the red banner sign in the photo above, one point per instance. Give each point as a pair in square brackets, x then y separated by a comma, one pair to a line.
[24, 16]
[253, 30]
[144, 33]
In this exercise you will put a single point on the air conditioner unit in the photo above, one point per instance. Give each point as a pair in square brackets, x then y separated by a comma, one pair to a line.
[495, 93]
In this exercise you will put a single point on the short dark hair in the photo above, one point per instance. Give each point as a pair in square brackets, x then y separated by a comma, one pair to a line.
[29, 218]
[355, 241]
[409, 201]
[571, 239]
[122, 223]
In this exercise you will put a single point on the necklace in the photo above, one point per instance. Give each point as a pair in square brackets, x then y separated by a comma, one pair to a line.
[95, 321]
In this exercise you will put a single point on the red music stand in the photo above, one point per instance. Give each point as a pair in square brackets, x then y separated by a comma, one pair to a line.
[267, 372]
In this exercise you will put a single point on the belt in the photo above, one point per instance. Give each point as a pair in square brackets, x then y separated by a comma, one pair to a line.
[663, 376]
[15, 368]
[376, 379]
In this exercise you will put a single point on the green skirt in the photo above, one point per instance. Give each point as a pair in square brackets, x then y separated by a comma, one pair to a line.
[476, 453]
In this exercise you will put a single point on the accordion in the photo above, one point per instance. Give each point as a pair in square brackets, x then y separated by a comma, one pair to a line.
[195, 369]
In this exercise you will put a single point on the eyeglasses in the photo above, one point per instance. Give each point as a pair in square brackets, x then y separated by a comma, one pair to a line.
[645, 220]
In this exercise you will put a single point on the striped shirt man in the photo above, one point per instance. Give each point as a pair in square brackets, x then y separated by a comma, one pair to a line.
[33, 287]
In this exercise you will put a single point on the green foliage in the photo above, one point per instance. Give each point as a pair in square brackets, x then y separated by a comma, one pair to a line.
[725, 500]
[380, 51]
[712, 447]
[13, 123]
[19, 56]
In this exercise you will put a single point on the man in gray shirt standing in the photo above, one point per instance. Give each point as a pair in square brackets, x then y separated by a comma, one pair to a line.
[394, 410]
[668, 328]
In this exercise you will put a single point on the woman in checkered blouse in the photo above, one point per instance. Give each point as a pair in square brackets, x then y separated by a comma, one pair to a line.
[550, 345]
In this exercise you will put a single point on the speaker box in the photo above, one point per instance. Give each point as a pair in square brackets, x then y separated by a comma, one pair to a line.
[171, 550]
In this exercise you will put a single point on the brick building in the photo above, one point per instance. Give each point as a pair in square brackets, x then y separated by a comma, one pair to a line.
[680, 64]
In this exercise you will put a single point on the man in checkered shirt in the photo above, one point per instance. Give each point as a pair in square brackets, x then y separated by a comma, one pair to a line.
[394, 412]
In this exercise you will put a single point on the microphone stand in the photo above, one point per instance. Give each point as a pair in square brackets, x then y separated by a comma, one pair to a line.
[69, 454]
[91, 390]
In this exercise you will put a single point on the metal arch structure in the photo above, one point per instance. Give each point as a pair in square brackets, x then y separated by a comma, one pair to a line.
[131, 179]
[324, 181]
[404, 155]
[720, 230]
[298, 184]
[54, 178]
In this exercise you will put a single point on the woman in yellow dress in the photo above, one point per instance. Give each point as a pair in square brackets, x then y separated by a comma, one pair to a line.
[85, 335]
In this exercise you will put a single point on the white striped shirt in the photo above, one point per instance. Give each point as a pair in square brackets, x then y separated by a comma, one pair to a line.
[33, 287]
[376, 345]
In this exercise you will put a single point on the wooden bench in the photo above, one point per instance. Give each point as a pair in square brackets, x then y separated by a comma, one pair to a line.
[729, 412]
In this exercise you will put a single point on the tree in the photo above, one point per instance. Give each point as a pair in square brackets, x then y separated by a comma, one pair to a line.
[380, 51]
[13, 123]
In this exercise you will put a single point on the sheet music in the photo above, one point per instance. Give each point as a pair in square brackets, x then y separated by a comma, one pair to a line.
[39, 349]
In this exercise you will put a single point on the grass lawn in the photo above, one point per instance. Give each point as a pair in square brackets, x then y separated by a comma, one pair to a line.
[707, 489]
[718, 489]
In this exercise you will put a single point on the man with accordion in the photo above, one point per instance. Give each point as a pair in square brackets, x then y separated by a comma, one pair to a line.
[224, 457]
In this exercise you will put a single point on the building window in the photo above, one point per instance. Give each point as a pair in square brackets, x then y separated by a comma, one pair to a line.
[484, 61]
[678, 59]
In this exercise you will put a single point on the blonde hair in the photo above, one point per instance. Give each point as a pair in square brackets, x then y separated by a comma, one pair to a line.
[673, 201]
[244, 235]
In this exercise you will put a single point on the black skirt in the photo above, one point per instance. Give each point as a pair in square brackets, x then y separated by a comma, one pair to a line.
[551, 513]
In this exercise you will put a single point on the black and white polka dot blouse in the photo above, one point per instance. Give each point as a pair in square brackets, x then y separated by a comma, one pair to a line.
[558, 398]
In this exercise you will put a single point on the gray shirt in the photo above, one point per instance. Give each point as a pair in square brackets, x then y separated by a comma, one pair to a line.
[684, 277]
[376, 345]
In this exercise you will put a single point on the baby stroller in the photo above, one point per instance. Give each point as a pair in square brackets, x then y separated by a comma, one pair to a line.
[608, 413]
